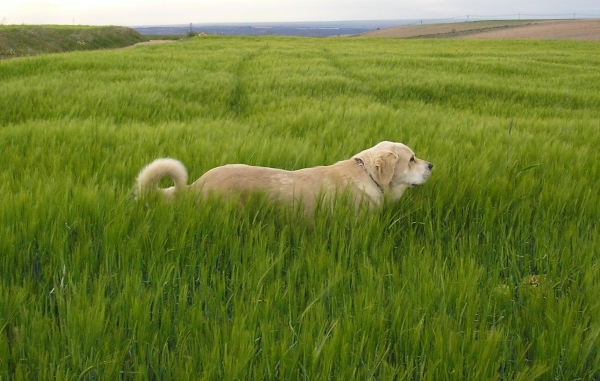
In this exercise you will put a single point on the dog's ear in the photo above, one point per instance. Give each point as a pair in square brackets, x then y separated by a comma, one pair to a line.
[385, 163]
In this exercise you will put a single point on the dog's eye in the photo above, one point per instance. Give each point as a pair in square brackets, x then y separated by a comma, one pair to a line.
[412, 159]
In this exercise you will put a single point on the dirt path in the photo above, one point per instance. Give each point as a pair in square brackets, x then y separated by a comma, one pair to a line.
[151, 42]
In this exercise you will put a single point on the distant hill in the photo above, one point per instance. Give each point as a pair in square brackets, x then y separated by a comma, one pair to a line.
[406, 28]
[581, 29]
[584, 29]
[443, 30]
[29, 40]
[303, 29]
[248, 30]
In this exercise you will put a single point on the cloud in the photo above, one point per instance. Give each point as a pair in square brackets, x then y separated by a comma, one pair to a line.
[157, 12]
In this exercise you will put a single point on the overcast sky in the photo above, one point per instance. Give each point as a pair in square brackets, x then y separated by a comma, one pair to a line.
[164, 12]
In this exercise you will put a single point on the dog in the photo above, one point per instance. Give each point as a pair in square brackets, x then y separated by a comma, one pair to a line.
[384, 171]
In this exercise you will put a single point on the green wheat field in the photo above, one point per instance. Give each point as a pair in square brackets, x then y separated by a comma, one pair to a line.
[489, 271]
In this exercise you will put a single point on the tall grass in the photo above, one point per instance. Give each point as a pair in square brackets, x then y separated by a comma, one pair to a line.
[488, 271]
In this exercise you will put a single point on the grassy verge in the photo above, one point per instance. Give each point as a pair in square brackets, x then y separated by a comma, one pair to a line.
[23, 40]
[488, 271]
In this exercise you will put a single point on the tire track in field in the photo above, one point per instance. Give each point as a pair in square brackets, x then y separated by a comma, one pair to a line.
[237, 102]
[385, 96]
[363, 87]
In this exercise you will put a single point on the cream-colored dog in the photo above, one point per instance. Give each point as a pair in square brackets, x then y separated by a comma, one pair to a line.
[384, 171]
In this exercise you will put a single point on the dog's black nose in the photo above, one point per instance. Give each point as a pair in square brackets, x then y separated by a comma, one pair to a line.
[430, 166]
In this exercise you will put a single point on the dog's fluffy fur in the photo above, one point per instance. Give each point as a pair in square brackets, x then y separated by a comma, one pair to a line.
[384, 171]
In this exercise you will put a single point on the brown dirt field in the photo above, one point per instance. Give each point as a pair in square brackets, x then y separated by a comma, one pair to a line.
[588, 29]
[548, 30]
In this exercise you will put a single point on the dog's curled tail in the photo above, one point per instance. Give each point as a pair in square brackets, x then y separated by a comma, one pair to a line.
[149, 177]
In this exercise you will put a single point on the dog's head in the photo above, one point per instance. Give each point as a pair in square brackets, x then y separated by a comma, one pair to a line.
[394, 167]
